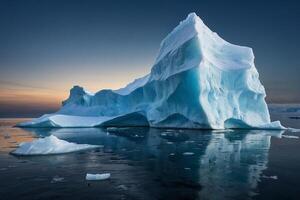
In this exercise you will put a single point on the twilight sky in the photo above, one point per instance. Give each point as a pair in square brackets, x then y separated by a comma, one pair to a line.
[47, 46]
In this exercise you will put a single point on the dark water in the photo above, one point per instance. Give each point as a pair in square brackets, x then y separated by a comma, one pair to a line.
[154, 164]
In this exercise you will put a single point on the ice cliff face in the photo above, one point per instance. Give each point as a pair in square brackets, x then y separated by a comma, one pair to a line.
[198, 81]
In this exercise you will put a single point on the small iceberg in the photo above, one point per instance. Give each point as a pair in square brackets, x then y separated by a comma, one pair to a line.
[290, 136]
[97, 177]
[188, 153]
[294, 130]
[57, 179]
[50, 145]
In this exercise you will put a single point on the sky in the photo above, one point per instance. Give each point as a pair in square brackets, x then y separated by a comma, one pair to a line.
[47, 46]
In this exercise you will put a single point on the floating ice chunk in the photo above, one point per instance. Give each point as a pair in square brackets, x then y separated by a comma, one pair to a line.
[188, 153]
[57, 179]
[294, 130]
[290, 136]
[190, 141]
[270, 177]
[50, 145]
[97, 177]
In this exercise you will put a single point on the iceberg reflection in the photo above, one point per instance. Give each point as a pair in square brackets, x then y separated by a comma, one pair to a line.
[233, 163]
[174, 164]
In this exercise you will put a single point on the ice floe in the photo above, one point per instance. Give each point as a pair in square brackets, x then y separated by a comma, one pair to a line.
[50, 145]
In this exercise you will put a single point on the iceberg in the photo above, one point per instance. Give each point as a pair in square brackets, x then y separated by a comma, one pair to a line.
[50, 145]
[198, 80]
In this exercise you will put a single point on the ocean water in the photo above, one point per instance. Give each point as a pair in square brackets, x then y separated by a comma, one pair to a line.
[148, 163]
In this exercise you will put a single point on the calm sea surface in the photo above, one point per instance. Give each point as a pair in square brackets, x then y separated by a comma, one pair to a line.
[155, 164]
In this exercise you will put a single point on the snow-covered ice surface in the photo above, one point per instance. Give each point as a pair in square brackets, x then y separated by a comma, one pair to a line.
[50, 145]
[133, 85]
[198, 80]
[61, 120]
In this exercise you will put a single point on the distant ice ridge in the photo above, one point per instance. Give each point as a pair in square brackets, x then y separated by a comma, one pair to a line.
[50, 145]
[198, 80]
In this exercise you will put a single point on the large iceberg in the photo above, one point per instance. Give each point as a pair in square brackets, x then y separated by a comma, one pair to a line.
[198, 80]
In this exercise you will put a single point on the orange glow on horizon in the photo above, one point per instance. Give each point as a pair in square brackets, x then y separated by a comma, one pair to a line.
[57, 91]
